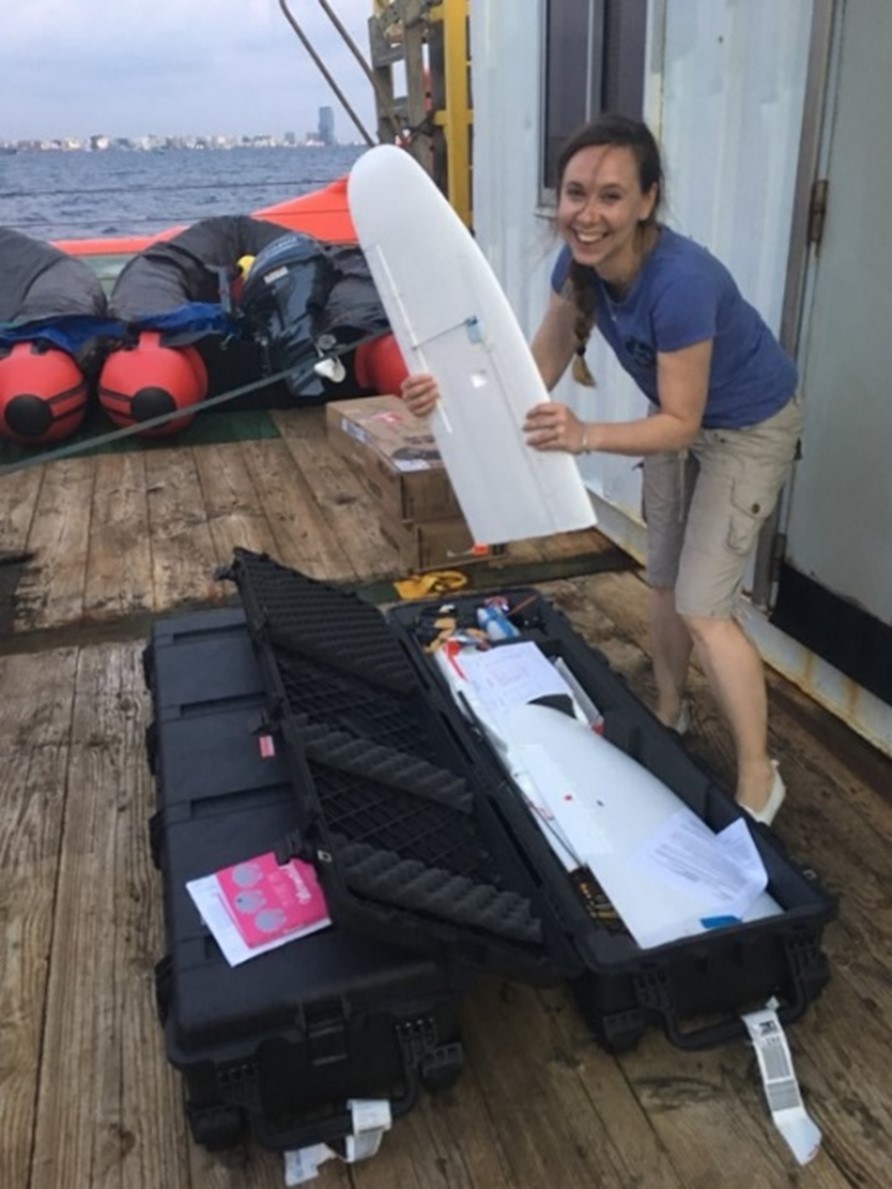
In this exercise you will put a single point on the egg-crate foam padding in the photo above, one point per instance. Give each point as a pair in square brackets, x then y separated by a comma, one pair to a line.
[325, 695]
[297, 614]
[407, 883]
[405, 833]
[398, 815]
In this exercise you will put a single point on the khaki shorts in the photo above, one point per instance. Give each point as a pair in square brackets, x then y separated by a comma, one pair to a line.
[704, 508]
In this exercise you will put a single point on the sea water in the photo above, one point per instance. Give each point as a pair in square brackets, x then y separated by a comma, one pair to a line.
[81, 195]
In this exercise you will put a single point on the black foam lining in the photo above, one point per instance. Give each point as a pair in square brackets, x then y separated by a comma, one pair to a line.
[397, 812]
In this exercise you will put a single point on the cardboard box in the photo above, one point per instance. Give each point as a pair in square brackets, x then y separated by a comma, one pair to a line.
[396, 456]
[434, 544]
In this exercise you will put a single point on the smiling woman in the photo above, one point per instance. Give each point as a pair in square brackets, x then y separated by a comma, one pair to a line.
[721, 433]
[723, 426]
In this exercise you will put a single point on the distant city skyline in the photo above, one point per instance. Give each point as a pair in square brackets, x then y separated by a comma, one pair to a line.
[99, 143]
[95, 68]
[324, 134]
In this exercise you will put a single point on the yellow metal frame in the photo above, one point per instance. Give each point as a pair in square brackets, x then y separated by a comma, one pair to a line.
[457, 117]
[411, 22]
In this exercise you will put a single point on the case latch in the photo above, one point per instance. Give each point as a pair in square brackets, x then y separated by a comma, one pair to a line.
[326, 1029]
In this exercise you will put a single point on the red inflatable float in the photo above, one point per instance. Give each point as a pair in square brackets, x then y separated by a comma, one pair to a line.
[379, 365]
[43, 394]
[147, 379]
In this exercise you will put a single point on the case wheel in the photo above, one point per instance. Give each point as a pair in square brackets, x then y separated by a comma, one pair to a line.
[619, 1040]
[440, 1070]
[216, 1127]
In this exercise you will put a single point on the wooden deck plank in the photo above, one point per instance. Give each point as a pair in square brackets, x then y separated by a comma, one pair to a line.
[18, 500]
[303, 538]
[234, 513]
[36, 695]
[32, 785]
[250, 1167]
[544, 1119]
[453, 1141]
[183, 556]
[105, 1112]
[574, 544]
[708, 1112]
[518, 553]
[613, 1099]
[119, 560]
[345, 503]
[52, 587]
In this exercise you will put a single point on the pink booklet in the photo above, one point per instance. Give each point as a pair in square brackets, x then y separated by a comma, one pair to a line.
[268, 902]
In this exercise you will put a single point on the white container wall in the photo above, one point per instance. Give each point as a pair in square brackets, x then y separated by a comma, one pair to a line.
[732, 103]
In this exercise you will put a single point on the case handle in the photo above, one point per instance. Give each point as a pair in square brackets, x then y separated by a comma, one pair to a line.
[807, 972]
[331, 1129]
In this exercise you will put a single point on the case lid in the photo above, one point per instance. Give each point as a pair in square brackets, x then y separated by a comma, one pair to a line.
[403, 818]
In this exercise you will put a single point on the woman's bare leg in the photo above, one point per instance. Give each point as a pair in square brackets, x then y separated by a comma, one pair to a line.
[734, 670]
[671, 646]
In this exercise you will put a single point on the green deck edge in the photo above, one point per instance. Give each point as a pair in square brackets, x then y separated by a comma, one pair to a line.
[248, 425]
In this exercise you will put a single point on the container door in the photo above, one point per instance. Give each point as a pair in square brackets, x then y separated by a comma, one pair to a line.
[835, 588]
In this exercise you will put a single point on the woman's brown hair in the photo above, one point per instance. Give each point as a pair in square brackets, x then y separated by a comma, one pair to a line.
[607, 129]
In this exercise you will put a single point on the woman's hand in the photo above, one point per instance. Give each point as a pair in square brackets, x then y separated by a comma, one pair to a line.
[552, 426]
[420, 394]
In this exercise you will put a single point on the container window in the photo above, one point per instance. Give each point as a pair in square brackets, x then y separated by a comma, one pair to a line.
[594, 62]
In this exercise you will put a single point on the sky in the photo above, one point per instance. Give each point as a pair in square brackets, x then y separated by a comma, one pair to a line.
[168, 67]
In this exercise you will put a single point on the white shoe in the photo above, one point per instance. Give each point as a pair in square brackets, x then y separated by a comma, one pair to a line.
[776, 795]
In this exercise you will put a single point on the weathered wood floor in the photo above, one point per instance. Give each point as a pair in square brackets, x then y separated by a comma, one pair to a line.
[120, 537]
[86, 1096]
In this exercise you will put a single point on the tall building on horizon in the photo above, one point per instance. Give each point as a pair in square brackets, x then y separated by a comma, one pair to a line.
[326, 126]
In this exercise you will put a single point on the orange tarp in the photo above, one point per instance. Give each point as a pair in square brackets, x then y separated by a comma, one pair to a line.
[322, 214]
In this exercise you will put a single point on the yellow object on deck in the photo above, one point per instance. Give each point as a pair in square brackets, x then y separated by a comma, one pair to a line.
[437, 582]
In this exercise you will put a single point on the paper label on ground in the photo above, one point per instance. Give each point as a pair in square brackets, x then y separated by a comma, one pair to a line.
[372, 1117]
[792, 1120]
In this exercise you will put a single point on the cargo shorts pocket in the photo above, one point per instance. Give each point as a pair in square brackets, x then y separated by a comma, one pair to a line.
[749, 509]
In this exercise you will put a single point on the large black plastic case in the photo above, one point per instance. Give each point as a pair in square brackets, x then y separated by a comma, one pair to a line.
[275, 1047]
[417, 832]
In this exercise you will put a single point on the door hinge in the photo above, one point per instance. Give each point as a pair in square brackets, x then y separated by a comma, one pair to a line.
[817, 210]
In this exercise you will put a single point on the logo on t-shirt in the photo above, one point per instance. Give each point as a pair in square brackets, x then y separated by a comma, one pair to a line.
[641, 354]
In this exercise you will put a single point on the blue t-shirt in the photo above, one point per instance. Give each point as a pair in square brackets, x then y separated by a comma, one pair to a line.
[681, 296]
